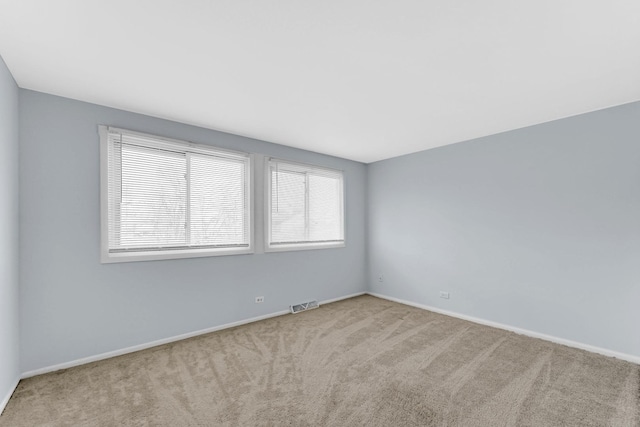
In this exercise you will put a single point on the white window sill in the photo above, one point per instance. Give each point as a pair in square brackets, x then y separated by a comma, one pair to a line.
[303, 246]
[108, 258]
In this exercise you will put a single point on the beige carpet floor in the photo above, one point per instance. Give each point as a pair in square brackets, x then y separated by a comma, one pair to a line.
[362, 361]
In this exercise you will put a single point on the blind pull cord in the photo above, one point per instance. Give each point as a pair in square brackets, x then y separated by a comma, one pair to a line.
[120, 153]
[277, 188]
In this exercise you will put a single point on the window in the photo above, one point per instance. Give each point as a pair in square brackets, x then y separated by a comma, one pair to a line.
[170, 199]
[305, 207]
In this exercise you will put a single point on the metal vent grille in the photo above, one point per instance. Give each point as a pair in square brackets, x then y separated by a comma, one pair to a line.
[297, 308]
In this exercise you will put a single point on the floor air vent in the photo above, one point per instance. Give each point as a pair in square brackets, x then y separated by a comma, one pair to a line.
[304, 306]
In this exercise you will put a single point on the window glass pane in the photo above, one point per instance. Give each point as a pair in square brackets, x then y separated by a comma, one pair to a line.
[287, 206]
[325, 206]
[306, 206]
[217, 200]
[153, 192]
[172, 199]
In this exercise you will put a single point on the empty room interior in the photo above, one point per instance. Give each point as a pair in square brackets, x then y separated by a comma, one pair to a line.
[330, 213]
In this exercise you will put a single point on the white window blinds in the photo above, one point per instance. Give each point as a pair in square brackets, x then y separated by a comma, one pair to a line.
[305, 205]
[175, 196]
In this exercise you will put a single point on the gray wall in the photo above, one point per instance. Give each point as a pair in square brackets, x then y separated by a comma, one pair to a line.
[537, 228]
[9, 342]
[73, 307]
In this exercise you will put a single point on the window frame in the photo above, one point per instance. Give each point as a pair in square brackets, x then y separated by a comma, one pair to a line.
[268, 247]
[116, 257]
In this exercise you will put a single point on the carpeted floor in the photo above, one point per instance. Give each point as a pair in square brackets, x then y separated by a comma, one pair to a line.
[362, 361]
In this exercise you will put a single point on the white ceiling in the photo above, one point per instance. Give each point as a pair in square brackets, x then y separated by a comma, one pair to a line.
[360, 79]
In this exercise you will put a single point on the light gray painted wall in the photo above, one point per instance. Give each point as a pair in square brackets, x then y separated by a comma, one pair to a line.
[9, 341]
[537, 228]
[73, 307]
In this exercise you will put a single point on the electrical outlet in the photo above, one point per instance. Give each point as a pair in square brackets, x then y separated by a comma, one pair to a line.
[444, 294]
[259, 300]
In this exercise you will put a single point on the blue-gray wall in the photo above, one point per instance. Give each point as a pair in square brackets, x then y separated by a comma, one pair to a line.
[73, 307]
[9, 354]
[537, 228]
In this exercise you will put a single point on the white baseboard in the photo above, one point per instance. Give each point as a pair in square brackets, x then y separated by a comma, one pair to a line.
[557, 340]
[163, 341]
[3, 403]
[329, 301]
